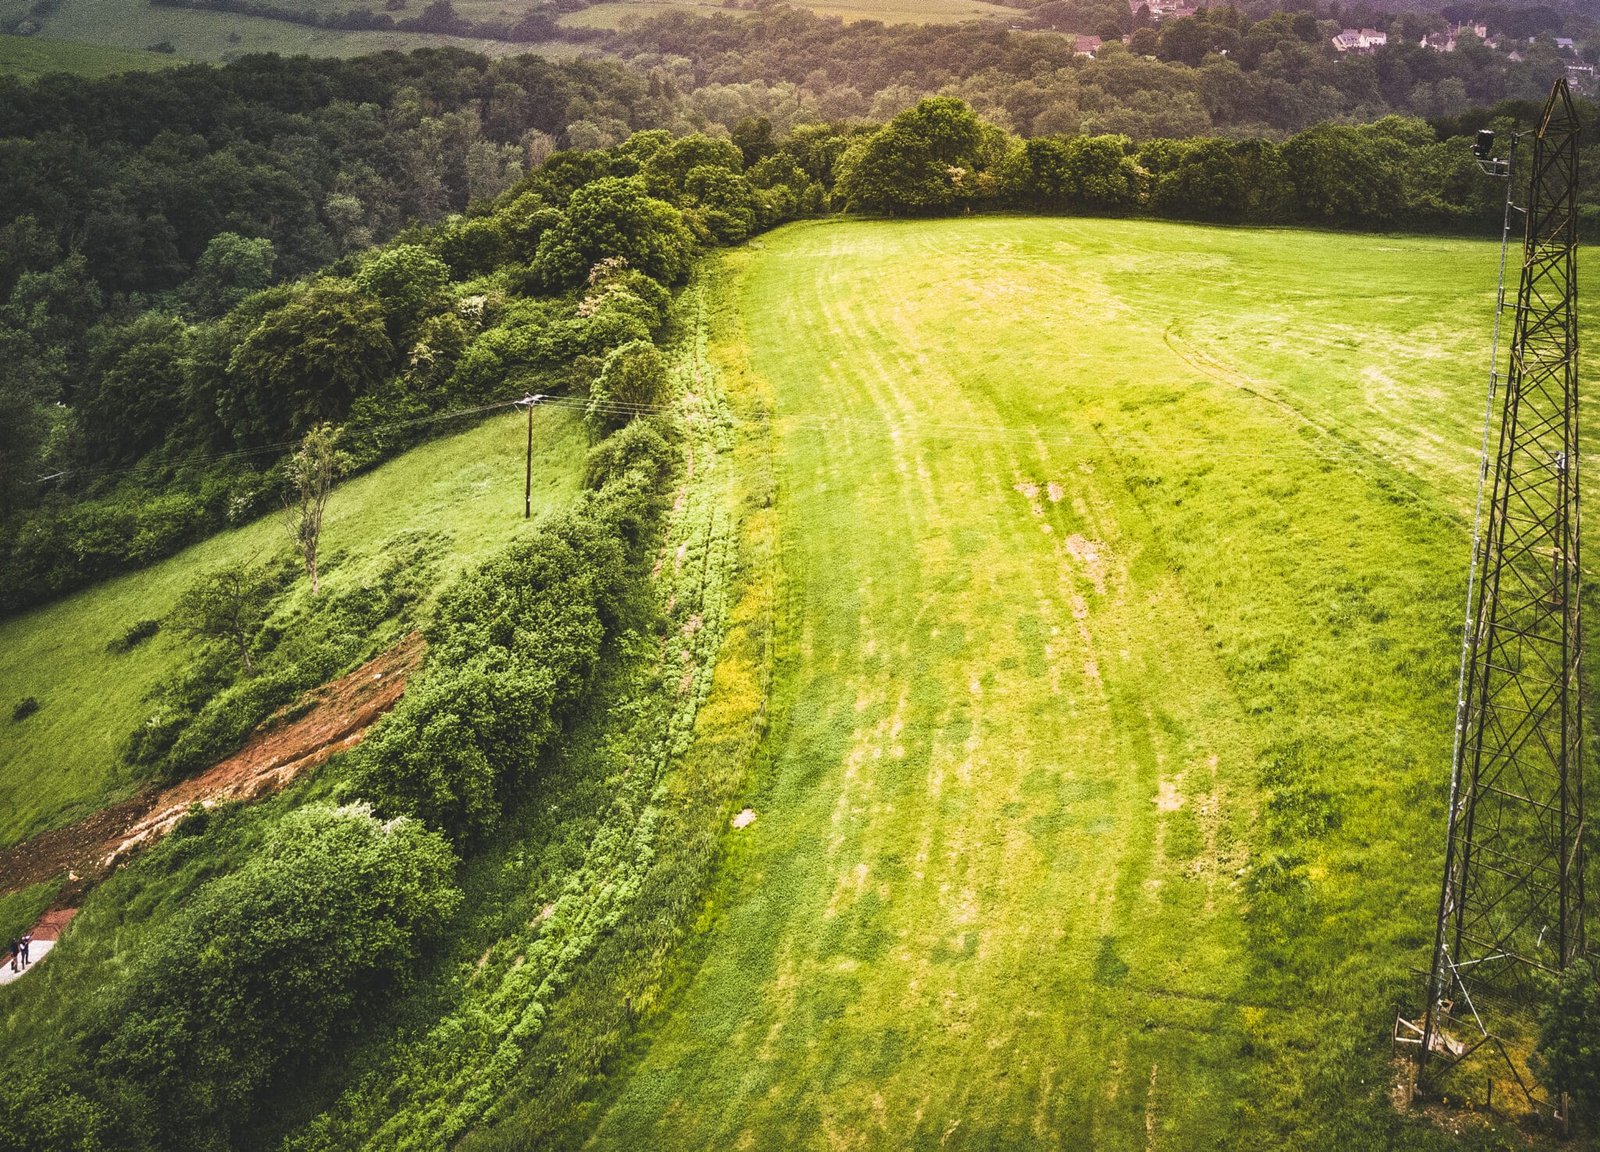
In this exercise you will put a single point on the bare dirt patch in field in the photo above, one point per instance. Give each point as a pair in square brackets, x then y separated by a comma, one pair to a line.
[1092, 557]
[339, 716]
[1168, 798]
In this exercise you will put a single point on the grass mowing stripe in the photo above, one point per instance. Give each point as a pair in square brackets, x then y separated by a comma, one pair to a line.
[1048, 701]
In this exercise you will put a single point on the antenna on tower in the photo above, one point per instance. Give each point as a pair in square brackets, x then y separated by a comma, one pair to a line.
[1511, 904]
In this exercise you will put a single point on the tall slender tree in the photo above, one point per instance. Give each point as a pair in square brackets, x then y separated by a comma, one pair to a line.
[312, 470]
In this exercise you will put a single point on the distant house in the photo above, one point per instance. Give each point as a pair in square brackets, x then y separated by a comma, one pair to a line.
[1361, 41]
[1566, 43]
[1088, 45]
[1582, 77]
[1447, 41]
[1164, 9]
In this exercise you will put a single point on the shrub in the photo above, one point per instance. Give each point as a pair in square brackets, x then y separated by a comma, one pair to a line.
[270, 965]
[642, 447]
[43, 1110]
[512, 651]
[24, 708]
[632, 382]
[1567, 1058]
[137, 633]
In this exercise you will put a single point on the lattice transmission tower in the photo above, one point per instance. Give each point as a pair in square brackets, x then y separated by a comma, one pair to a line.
[1512, 902]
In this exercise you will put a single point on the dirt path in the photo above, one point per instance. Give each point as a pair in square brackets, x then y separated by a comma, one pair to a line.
[339, 716]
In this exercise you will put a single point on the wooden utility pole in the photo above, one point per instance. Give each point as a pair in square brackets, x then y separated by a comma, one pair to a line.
[527, 488]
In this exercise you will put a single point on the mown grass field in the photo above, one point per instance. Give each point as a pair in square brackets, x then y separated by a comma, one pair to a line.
[63, 762]
[29, 57]
[611, 13]
[131, 26]
[1118, 583]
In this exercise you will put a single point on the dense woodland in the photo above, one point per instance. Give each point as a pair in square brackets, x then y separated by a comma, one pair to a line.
[1219, 71]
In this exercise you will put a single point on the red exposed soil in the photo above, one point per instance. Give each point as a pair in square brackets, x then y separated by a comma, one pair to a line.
[339, 715]
[52, 923]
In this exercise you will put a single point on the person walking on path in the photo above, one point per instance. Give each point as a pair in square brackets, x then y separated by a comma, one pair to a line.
[27, 940]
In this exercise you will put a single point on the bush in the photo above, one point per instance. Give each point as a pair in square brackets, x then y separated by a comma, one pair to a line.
[1567, 1058]
[47, 551]
[137, 633]
[633, 382]
[43, 1109]
[24, 708]
[642, 447]
[512, 651]
[269, 966]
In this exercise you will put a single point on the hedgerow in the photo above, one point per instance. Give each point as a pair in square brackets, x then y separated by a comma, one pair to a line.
[586, 871]
[514, 646]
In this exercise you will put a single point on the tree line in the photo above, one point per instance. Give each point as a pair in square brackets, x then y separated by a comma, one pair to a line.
[137, 420]
[1219, 72]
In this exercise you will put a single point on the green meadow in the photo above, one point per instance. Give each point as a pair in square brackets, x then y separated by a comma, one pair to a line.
[85, 35]
[63, 762]
[1118, 575]
[29, 57]
[611, 13]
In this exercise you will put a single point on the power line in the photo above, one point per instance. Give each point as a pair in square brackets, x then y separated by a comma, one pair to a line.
[1092, 442]
[263, 449]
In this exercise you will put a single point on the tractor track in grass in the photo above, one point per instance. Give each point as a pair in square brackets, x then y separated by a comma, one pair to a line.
[327, 720]
[975, 789]
[1344, 443]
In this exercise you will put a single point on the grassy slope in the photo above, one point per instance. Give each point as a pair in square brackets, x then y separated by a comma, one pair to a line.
[61, 763]
[99, 37]
[610, 13]
[1088, 528]
[29, 57]
[134, 24]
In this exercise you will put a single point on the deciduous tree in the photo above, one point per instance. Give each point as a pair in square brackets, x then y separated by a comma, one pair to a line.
[304, 362]
[228, 605]
[311, 473]
[609, 217]
[922, 160]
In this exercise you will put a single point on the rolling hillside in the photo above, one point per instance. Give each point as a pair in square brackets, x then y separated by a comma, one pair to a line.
[100, 37]
[1120, 565]
[63, 762]
[1029, 728]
